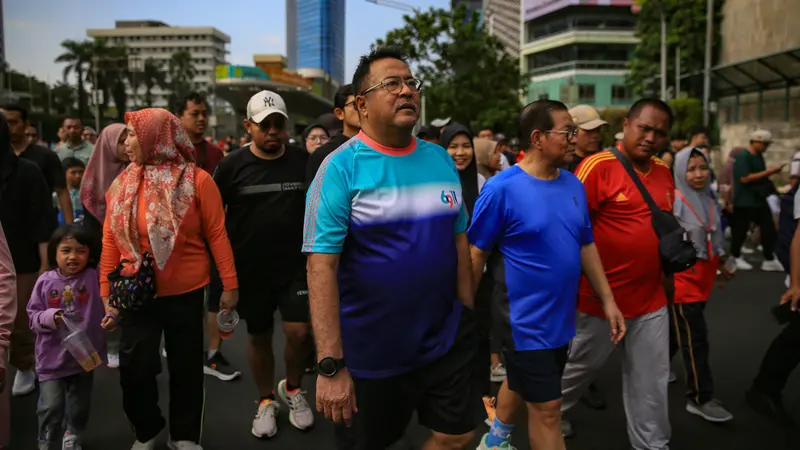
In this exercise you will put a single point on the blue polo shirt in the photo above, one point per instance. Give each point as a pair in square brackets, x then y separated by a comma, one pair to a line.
[392, 215]
[540, 227]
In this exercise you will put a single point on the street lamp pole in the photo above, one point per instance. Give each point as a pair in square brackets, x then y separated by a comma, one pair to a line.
[96, 95]
[707, 68]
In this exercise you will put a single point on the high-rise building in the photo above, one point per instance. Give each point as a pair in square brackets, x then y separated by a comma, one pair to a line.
[291, 34]
[577, 51]
[502, 18]
[320, 36]
[150, 39]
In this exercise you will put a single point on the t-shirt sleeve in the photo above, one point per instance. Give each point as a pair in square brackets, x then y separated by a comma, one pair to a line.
[328, 207]
[54, 172]
[797, 205]
[488, 219]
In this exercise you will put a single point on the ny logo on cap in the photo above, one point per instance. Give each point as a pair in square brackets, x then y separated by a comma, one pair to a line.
[269, 102]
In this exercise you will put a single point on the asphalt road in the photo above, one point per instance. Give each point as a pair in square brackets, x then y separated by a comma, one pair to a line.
[740, 327]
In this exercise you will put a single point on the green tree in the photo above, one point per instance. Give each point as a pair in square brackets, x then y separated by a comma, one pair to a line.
[64, 97]
[181, 73]
[152, 76]
[688, 114]
[77, 55]
[686, 29]
[467, 74]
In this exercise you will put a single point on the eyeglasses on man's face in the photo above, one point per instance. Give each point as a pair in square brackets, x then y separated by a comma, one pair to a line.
[394, 85]
[571, 132]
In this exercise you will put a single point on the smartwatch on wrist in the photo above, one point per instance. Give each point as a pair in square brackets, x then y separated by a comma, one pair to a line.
[328, 367]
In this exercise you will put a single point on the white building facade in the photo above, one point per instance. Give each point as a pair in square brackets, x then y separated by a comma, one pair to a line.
[503, 20]
[148, 39]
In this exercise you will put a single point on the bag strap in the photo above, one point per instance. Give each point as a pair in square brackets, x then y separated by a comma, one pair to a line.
[626, 163]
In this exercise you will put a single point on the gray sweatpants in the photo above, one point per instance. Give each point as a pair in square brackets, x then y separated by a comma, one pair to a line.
[645, 373]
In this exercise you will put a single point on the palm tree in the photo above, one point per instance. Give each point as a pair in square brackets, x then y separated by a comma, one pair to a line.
[152, 76]
[77, 55]
[63, 97]
[181, 74]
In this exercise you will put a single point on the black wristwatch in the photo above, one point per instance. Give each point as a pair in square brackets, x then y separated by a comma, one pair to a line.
[328, 367]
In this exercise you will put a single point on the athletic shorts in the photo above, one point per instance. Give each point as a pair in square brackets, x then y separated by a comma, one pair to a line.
[536, 374]
[257, 307]
[444, 395]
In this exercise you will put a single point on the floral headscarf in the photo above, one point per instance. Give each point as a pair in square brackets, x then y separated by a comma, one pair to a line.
[102, 169]
[167, 182]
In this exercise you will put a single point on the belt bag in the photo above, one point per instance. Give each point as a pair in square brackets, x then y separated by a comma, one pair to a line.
[132, 293]
[674, 246]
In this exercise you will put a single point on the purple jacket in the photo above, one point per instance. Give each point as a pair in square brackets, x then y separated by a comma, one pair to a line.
[79, 297]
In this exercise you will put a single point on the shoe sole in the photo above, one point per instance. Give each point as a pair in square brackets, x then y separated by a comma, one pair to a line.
[23, 393]
[291, 416]
[497, 378]
[263, 436]
[209, 371]
[692, 410]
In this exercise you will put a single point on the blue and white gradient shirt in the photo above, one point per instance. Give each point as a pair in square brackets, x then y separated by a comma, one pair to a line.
[393, 215]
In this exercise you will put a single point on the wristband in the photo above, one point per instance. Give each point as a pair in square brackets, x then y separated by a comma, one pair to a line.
[113, 316]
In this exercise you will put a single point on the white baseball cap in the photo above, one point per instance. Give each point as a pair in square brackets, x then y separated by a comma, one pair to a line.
[586, 117]
[264, 104]
[761, 135]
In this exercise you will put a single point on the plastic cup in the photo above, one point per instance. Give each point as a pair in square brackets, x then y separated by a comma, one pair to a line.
[81, 348]
[227, 323]
[730, 264]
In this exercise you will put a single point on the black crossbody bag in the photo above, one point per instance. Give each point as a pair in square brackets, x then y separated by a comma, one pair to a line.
[674, 246]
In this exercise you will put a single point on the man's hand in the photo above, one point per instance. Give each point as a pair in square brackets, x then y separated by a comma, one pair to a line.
[776, 169]
[336, 397]
[229, 300]
[792, 295]
[615, 320]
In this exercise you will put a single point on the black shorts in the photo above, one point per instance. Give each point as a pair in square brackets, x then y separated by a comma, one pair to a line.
[536, 374]
[256, 308]
[444, 395]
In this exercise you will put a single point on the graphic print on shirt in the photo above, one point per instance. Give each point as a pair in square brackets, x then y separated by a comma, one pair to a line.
[71, 310]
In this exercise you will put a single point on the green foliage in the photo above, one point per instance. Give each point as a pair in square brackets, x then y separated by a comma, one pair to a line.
[181, 73]
[77, 55]
[467, 74]
[614, 117]
[686, 28]
[688, 113]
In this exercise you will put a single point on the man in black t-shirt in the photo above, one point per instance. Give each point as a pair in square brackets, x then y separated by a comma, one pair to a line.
[344, 109]
[263, 187]
[47, 160]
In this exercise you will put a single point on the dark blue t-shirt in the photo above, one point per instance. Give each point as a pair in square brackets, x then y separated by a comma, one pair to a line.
[540, 227]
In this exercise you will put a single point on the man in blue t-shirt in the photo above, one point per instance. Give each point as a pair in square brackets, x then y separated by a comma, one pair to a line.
[389, 274]
[537, 216]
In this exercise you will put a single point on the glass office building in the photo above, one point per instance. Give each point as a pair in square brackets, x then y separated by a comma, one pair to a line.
[320, 36]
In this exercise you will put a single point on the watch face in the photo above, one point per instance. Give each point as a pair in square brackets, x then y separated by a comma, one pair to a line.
[327, 367]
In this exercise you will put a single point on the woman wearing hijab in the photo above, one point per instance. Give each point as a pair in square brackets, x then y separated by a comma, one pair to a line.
[105, 164]
[28, 219]
[698, 213]
[164, 205]
[107, 161]
[314, 136]
[457, 140]
[487, 156]
[8, 311]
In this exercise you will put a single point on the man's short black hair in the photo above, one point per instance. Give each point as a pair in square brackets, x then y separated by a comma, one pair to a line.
[342, 94]
[71, 162]
[361, 75]
[74, 118]
[697, 130]
[656, 103]
[537, 116]
[194, 97]
[23, 113]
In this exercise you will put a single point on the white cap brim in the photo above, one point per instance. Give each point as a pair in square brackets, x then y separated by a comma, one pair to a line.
[592, 124]
[258, 118]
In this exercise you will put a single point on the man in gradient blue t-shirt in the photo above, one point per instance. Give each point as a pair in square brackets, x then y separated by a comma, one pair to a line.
[537, 216]
[389, 274]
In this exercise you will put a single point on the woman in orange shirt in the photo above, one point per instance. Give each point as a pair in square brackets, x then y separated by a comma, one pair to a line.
[164, 205]
[697, 211]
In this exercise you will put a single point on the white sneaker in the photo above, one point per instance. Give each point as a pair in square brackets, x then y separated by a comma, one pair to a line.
[300, 414]
[149, 445]
[182, 445]
[113, 360]
[70, 442]
[24, 383]
[164, 352]
[772, 266]
[741, 264]
[498, 374]
[264, 424]
[747, 251]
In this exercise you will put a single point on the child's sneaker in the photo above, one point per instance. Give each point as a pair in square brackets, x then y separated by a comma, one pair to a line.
[182, 445]
[149, 445]
[113, 360]
[70, 442]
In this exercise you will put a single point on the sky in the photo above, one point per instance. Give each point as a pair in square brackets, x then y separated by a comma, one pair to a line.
[34, 29]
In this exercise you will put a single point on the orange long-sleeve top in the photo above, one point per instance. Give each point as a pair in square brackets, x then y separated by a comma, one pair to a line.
[188, 267]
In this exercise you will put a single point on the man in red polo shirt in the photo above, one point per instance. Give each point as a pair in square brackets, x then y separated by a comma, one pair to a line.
[193, 112]
[628, 247]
